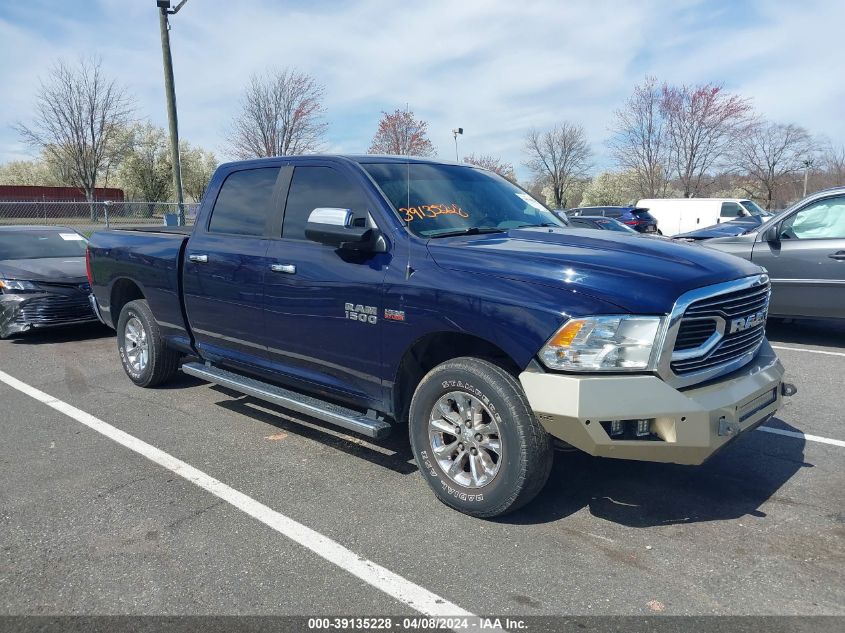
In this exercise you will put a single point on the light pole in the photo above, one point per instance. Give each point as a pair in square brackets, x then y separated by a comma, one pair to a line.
[170, 94]
[808, 162]
[455, 132]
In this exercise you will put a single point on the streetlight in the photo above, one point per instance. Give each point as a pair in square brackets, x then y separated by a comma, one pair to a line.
[807, 162]
[170, 94]
[455, 132]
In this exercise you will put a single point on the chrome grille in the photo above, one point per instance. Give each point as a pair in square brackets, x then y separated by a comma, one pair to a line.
[703, 318]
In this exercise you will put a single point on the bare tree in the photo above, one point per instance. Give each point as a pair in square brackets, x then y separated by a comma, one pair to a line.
[833, 159]
[702, 123]
[281, 114]
[640, 143]
[769, 154]
[78, 113]
[401, 134]
[560, 157]
[493, 163]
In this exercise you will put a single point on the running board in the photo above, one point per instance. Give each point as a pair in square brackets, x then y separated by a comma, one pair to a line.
[326, 411]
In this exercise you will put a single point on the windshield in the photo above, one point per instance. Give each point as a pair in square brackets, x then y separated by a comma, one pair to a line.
[752, 207]
[437, 200]
[41, 244]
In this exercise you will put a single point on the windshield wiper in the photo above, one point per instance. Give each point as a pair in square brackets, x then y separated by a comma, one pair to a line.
[471, 230]
[537, 226]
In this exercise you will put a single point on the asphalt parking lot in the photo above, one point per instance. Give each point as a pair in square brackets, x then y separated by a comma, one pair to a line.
[88, 526]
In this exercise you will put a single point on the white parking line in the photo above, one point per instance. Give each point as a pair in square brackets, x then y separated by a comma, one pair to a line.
[802, 436]
[394, 585]
[811, 351]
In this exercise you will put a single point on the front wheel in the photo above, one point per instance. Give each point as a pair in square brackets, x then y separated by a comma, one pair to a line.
[146, 359]
[476, 440]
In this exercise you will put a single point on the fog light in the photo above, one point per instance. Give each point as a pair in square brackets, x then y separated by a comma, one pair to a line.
[643, 428]
[616, 427]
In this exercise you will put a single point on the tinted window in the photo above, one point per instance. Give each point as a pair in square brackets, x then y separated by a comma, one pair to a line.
[731, 210]
[40, 244]
[612, 213]
[314, 187]
[824, 219]
[245, 202]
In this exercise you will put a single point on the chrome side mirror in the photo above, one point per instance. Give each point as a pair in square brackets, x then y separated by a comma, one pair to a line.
[334, 227]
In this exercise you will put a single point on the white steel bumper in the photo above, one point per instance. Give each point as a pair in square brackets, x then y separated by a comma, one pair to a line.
[686, 427]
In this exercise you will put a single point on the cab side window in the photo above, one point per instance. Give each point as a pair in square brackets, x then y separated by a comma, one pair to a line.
[314, 187]
[731, 210]
[245, 202]
[823, 219]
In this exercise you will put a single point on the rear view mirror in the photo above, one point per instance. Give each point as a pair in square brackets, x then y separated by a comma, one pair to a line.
[334, 227]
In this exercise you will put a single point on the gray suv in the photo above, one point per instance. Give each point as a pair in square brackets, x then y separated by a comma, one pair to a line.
[803, 249]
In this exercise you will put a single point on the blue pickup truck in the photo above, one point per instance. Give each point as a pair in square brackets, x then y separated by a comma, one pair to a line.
[376, 292]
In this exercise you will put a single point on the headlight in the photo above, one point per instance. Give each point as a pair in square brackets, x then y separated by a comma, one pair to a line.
[604, 343]
[16, 285]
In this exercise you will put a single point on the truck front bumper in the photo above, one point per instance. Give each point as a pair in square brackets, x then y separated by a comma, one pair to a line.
[683, 426]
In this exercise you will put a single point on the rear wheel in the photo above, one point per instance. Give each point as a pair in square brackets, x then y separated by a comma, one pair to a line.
[146, 359]
[476, 440]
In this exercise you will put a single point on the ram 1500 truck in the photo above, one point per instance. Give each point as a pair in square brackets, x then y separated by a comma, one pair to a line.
[369, 292]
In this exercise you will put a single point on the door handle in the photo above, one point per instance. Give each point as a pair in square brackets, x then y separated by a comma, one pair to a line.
[837, 255]
[198, 259]
[290, 269]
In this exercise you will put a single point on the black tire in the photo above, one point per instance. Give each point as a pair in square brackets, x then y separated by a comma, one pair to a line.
[162, 362]
[526, 455]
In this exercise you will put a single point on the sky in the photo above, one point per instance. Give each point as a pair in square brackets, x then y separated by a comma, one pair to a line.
[497, 68]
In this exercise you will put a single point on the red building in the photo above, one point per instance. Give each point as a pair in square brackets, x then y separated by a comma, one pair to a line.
[29, 193]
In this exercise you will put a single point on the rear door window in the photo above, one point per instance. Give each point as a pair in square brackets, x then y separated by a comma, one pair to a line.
[245, 202]
[315, 187]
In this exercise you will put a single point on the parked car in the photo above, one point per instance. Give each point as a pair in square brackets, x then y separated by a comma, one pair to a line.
[598, 222]
[725, 229]
[373, 292]
[681, 215]
[42, 278]
[803, 250]
[637, 218]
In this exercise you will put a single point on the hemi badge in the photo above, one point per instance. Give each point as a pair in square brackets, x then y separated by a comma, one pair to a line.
[394, 315]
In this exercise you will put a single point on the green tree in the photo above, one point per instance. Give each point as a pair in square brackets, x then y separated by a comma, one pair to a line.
[28, 172]
[198, 165]
[145, 172]
[611, 189]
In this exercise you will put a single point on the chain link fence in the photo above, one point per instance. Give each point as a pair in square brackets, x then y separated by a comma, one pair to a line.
[87, 217]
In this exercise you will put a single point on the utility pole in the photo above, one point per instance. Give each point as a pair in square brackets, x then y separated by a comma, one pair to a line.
[455, 132]
[170, 94]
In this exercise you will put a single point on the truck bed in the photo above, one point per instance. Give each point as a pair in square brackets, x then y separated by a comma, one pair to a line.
[134, 262]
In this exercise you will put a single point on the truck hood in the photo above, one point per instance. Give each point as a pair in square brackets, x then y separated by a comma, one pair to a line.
[58, 269]
[725, 229]
[637, 273]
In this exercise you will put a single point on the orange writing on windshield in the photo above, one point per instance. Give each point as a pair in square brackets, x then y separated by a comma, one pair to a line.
[431, 211]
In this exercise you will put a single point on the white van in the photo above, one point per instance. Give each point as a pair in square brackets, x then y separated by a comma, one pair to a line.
[679, 215]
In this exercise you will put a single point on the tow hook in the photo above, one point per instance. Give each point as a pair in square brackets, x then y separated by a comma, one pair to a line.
[788, 389]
